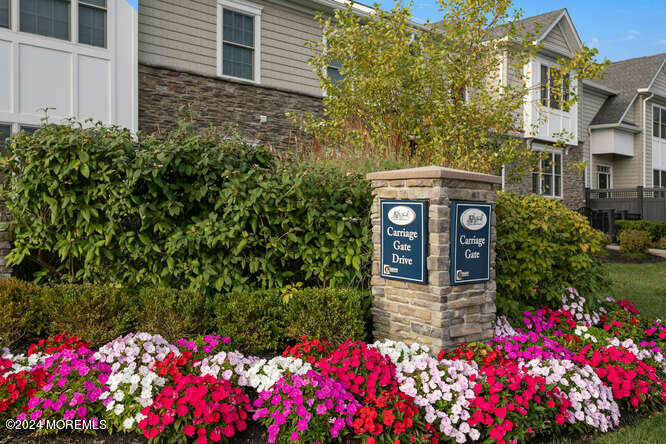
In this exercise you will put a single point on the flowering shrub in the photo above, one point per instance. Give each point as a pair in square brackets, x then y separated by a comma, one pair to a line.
[57, 343]
[308, 407]
[196, 407]
[204, 345]
[132, 384]
[75, 381]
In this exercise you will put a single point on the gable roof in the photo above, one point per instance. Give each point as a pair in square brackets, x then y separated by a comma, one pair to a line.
[626, 77]
[535, 25]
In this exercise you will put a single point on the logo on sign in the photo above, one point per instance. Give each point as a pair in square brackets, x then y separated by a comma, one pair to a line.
[473, 219]
[402, 215]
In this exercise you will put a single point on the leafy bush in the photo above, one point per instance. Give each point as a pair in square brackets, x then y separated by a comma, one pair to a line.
[256, 320]
[662, 243]
[542, 248]
[173, 313]
[332, 314]
[634, 241]
[96, 313]
[20, 315]
[656, 229]
[188, 210]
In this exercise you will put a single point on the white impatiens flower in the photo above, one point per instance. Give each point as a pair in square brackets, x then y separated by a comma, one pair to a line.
[232, 366]
[22, 362]
[263, 374]
[399, 352]
[131, 381]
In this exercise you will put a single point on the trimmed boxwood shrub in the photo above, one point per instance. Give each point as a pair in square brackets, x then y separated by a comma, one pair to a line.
[543, 248]
[634, 241]
[21, 316]
[656, 229]
[98, 313]
[187, 210]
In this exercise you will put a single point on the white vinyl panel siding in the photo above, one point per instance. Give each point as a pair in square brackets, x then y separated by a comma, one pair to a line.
[180, 35]
[284, 56]
[556, 39]
[590, 105]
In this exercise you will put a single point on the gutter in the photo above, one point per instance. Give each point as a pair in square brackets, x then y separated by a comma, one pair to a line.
[621, 126]
[645, 91]
[600, 87]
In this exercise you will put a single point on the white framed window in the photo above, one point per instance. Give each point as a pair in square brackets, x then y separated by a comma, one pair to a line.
[92, 22]
[659, 178]
[604, 177]
[547, 177]
[29, 129]
[333, 71]
[658, 122]
[5, 13]
[239, 40]
[5, 133]
[49, 18]
[552, 94]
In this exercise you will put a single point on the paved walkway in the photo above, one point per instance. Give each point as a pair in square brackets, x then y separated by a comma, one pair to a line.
[652, 251]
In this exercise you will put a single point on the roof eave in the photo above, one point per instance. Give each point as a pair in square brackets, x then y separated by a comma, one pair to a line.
[600, 87]
[621, 126]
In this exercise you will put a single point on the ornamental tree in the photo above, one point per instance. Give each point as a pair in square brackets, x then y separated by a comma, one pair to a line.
[432, 93]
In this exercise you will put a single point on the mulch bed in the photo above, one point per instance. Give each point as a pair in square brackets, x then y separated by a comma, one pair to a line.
[616, 256]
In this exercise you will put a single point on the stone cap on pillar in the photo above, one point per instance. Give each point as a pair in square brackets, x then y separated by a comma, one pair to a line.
[434, 172]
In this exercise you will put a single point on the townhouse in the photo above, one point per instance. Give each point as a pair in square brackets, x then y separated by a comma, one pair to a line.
[244, 63]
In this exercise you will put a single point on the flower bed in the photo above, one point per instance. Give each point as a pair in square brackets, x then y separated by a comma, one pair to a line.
[575, 369]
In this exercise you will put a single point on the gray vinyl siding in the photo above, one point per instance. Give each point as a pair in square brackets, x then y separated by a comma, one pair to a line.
[556, 39]
[589, 104]
[628, 171]
[659, 85]
[182, 35]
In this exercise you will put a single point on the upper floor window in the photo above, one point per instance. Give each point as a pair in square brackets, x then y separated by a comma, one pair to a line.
[240, 33]
[554, 87]
[547, 178]
[92, 22]
[4, 13]
[49, 18]
[659, 122]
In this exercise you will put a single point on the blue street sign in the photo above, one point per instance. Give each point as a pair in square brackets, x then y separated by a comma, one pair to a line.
[470, 242]
[404, 243]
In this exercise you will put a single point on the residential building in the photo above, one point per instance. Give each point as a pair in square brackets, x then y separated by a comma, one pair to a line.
[75, 57]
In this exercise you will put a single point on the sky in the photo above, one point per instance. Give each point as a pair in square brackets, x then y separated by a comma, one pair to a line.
[619, 29]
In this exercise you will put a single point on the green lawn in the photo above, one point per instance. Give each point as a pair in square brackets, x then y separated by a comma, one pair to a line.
[644, 284]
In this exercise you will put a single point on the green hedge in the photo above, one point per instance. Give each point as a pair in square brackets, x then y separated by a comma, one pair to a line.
[543, 248]
[656, 229]
[188, 210]
[259, 322]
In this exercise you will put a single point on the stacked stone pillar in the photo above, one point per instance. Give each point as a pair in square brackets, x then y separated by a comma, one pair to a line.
[436, 314]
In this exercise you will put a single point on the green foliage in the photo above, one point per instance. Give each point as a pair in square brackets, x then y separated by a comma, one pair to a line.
[330, 314]
[656, 229]
[432, 95]
[634, 241]
[256, 320]
[21, 316]
[542, 248]
[173, 313]
[189, 210]
[662, 243]
[97, 313]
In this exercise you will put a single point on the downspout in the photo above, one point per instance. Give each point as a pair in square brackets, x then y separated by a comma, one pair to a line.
[645, 101]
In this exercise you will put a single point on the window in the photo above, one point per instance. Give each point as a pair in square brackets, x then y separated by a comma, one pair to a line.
[45, 17]
[240, 34]
[603, 177]
[92, 22]
[30, 130]
[333, 71]
[5, 132]
[4, 13]
[551, 93]
[659, 122]
[659, 178]
[547, 178]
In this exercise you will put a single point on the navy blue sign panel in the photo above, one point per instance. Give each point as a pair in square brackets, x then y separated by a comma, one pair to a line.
[404, 241]
[470, 242]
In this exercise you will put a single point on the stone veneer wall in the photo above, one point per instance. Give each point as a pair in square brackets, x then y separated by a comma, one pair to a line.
[224, 104]
[573, 180]
[437, 314]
